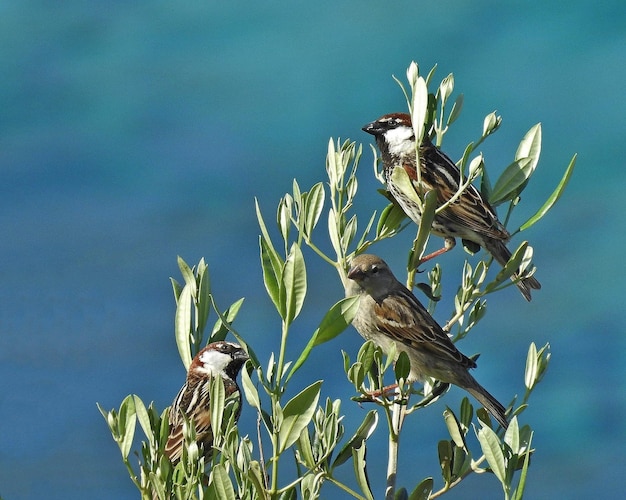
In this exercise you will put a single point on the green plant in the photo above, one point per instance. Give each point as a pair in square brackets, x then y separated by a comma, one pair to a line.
[300, 429]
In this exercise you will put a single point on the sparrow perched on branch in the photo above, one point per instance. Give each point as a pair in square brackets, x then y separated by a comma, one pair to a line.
[389, 313]
[219, 359]
[470, 217]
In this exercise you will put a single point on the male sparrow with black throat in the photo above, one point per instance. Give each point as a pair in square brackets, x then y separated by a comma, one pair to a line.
[470, 217]
[218, 359]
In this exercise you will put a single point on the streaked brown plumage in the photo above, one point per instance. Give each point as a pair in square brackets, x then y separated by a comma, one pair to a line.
[470, 217]
[389, 313]
[218, 359]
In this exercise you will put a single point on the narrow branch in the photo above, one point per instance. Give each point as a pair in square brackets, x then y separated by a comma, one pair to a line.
[397, 419]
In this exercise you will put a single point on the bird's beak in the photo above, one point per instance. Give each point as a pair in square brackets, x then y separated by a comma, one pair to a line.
[372, 128]
[355, 273]
[242, 355]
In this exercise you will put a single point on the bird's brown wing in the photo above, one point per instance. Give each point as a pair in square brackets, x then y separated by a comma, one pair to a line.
[471, 209]
[401, 316]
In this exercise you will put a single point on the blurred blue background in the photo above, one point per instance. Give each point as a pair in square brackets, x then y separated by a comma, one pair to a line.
[131, 133]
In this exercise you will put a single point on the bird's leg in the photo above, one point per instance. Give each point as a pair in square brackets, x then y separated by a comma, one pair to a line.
[448, 244]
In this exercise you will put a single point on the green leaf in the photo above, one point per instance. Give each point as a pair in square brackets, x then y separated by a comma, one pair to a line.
[456, 109]
[444, 449]
[249, 390]
[512, 437]
[510, 268]
[390, 220]
[176, 288]
[187, 273]
[220, 329]
[203, 299]
[332, 233]
[530, 374]
[419, 107]
[305, 449]
[255, 476]
[554, 197]
[423, 490]
[492, 449]
[360, 471]
[365, 430]
[217, 399]
[271, 263]
[283, 217]
[182, 325]
[454, 428]
[519, 491]
[428, 215]
[297, 414]
[314, 206]
[530, 146]
[220, 483]
[294, 281]
[402, 366]
[127, 420]
[508, 185]
[335, 321]
[144, 418]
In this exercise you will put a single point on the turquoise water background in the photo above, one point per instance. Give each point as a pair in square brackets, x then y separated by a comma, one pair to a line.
[131, 133]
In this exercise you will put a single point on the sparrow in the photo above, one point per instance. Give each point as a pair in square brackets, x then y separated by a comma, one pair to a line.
[218, 359]
[389, 314]
[470, 217]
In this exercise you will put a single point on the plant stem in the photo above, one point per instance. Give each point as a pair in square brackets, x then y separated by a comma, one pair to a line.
[397, 419]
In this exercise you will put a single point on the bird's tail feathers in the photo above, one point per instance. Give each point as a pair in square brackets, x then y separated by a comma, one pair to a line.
[492, 405]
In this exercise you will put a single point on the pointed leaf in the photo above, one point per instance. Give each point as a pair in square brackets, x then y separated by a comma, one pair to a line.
[510, 268]
[203, 300]
[220, 329]
[187, 273]
[492, 449]
[454, 428]
[508, 184]
[127, 419]
[419, 107]
[365, 430]
[554, 197]
[182, 325]
[512, 437]
[402, 366]
[294, 280]
[314, 206]
[456, 109]
[221, 484]
[428, 215]
[297, 414]
[360, 471]
[144, 419]
[335, 321]
[390, 220]
[423, 490]
[530, 374]
[272, 277]
[530, 146]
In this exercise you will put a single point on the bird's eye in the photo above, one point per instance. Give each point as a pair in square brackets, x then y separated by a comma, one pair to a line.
[374, 269]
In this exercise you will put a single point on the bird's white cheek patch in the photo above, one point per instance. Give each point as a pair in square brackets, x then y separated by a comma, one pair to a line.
[214, 362]
[400, 141]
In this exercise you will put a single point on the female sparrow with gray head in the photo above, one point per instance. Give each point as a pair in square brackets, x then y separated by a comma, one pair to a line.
[470, 217]
[390, 314]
